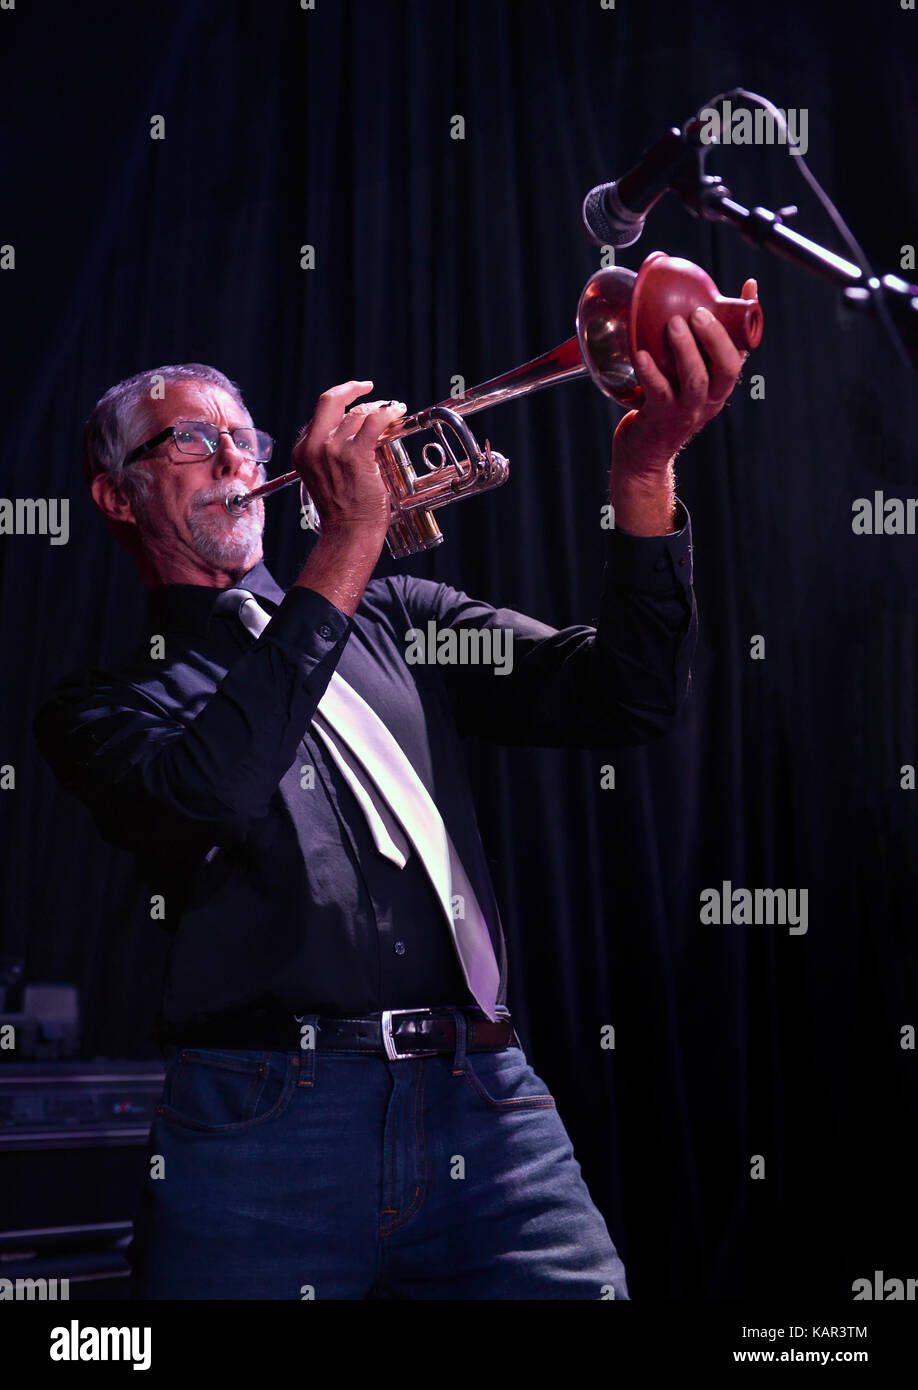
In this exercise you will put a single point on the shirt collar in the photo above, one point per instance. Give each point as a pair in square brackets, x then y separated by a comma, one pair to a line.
[187, 607]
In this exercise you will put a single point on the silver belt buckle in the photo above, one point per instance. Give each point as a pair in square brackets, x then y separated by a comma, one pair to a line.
[389, 1041]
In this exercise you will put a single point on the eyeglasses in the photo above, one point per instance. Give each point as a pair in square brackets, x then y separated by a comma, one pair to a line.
[200, 439]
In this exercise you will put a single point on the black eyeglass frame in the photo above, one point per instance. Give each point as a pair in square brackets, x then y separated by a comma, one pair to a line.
[169, 432]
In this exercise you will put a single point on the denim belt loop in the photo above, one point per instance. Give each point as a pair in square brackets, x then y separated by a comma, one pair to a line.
[462, 1039]
[309, 1043]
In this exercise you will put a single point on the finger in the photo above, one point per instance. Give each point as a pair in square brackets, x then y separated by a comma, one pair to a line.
[365, 407]
[351, 427]
[657, 390]
[724, 360]
[377, 421]
[750, 290]
[690, 365]
[331, 406]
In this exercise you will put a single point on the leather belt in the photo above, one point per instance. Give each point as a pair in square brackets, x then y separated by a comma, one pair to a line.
[392, 1033]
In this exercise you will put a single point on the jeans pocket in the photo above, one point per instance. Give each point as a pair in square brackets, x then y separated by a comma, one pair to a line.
[221, 1092]
[505, 1081]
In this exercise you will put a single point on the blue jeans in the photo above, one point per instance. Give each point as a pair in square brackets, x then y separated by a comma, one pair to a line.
[282, 1175]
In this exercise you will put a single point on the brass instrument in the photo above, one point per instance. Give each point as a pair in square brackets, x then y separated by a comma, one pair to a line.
[601, 348]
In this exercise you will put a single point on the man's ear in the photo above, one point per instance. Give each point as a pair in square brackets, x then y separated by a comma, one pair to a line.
[112, 500]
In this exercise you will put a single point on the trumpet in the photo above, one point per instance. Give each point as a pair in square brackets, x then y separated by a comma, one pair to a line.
[619, 312]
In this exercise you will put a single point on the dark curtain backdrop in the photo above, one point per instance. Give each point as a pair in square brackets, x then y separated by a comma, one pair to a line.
[331, 127]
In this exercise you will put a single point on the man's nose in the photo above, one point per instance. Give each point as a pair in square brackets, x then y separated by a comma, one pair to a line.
[229, 460]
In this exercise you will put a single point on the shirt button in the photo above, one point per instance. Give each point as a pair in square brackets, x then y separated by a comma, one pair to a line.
[325, 630]
[681, 559]
[400, 948]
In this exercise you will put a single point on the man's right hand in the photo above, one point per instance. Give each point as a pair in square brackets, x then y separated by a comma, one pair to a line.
[336, 458]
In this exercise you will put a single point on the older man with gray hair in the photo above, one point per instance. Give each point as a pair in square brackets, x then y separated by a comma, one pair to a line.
[347, 1110]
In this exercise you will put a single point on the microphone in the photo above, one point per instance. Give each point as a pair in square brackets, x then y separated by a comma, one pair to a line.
[614, 213]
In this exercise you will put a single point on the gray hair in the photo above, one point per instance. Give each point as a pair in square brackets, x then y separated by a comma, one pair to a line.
[122, 417]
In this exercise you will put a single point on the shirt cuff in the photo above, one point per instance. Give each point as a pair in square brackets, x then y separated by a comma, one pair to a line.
[652, 564]
[308, 625]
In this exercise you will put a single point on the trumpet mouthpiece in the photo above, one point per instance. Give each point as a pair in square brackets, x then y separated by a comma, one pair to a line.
[235, 503]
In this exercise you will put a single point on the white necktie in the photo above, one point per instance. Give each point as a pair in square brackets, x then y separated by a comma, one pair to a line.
[399, 811]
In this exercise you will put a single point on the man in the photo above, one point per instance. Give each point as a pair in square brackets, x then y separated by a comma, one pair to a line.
[347, 1112]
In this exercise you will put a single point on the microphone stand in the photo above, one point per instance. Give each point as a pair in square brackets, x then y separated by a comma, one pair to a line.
[706, 196]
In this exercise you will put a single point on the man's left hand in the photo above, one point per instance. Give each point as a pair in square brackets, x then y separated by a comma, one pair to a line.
[708, 366]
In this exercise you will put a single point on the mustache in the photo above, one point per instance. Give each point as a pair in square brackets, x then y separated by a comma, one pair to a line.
[219, 491]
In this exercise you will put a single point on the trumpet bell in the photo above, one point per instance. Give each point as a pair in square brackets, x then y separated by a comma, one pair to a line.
[622, 313]
[604, 334]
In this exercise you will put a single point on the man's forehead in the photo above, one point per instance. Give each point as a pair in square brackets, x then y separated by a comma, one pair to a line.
[198, 400]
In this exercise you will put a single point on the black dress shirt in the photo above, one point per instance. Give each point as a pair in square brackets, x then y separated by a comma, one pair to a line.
[198, 756]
